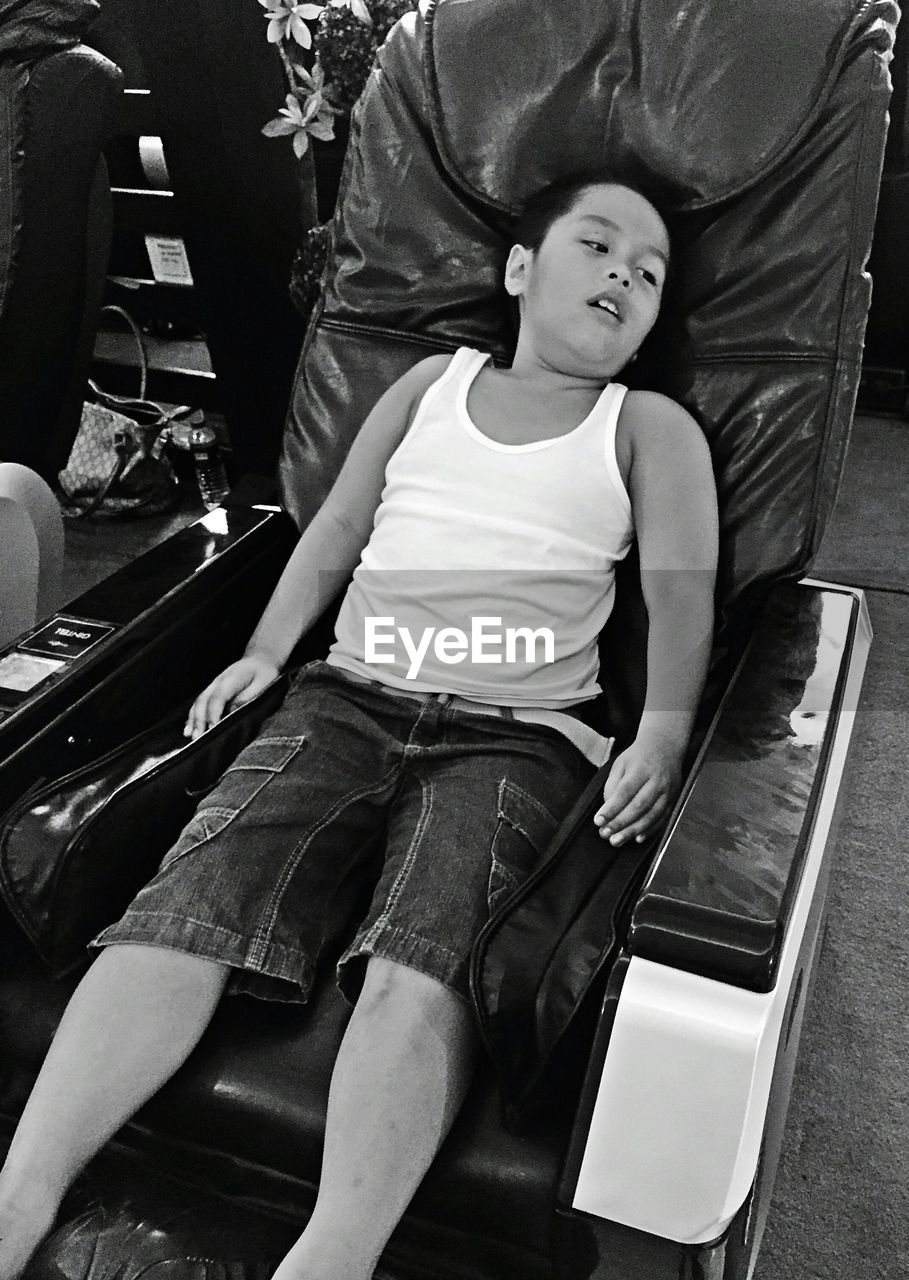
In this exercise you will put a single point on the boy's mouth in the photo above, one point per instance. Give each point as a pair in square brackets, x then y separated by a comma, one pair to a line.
[609, 306]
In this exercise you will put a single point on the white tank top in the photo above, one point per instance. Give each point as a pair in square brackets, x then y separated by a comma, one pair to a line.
[496, 560]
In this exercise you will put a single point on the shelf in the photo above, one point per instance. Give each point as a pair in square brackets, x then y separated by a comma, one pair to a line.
[179, 370]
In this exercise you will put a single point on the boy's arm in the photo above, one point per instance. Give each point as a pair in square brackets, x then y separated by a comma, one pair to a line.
[673, 498]
[330, 546]
[327, 552]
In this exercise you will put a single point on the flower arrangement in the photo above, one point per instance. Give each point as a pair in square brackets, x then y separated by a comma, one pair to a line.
[326, 68]
[327, 52]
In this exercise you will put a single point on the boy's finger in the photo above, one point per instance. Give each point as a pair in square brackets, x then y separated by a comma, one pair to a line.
[637, 808]
[641, 830]
[642, 825]
[192, 719]
[628, 802]
[202, 714]
[616, 796]
[215, 709]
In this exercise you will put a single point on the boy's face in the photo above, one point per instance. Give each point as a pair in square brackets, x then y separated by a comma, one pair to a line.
[591, 293]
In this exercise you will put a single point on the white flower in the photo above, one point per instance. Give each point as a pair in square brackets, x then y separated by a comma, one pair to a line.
[357, 8]
[311, 118]
[287, 21]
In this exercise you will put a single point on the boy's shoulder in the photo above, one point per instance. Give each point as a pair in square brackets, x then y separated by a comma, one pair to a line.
[430, 369]
[655, 430]
[651, 410]
[413, 385]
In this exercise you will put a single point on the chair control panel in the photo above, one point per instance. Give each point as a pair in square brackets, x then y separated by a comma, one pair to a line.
[46, 653]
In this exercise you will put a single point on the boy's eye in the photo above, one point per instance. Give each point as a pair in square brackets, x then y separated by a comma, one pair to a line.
[649, 276]
[597, 245]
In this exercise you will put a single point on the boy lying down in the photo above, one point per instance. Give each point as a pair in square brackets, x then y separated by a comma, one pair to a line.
[483, 511]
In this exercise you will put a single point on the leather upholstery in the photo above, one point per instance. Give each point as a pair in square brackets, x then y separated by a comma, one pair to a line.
[676, 87]
[62, 869]
[246, 1117]
[57, 99]
[772, 211]
[771, 208]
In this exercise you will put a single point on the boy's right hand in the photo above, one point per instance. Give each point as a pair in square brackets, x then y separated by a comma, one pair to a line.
[239, 683]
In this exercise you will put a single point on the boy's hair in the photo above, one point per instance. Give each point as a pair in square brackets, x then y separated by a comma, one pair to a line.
[551, 202]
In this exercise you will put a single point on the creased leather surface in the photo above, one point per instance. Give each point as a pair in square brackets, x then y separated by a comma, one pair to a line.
[771, 208]
[50, 223]
[762, 338]
[245, 1118]
[28, 30]
[577, 899]
[709, 96]
[66, 871]
[761, 341]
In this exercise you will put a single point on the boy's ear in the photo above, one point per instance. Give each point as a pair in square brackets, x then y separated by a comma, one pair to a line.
[516, 269]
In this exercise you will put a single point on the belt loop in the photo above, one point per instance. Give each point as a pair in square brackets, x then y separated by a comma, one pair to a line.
[507, 712]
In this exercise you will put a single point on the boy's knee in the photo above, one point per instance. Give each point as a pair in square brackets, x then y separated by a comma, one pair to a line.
[419, 1011]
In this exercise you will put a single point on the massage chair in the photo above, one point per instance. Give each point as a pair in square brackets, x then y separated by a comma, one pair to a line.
[640, 1008]
[58, 100]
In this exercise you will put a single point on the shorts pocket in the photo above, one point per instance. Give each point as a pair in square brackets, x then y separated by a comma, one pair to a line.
[237, 788]
[524, 828]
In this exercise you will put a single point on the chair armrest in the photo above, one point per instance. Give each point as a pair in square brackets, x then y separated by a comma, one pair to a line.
[722, 892]
[178, 614]
[723, 937]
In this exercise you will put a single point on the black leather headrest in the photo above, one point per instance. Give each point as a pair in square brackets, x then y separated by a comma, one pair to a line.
[710, 97]
[29, 28]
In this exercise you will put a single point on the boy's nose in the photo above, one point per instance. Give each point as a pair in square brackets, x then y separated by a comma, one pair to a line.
[623, 278]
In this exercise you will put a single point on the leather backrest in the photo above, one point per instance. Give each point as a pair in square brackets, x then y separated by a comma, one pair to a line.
[57, 100]
[763, 124]
[709, 97]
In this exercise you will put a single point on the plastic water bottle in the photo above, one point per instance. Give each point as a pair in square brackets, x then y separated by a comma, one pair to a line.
[213, 482]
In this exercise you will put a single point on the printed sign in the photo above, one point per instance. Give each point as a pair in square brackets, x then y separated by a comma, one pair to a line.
[66, 637]
[169, 263]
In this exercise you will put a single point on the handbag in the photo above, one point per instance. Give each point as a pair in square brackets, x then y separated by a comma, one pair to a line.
[118, 465]
[75, 852]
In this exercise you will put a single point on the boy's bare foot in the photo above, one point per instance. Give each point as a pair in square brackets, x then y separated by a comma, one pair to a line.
[22, 1228]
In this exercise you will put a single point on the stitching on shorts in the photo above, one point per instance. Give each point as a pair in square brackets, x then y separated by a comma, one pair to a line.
[133, 912]
[410, 747]
[392, 932]
[414, 951]
[247, 963]
[263, 933]
[383, 941]
[505, 784]
[508, 878]
[410, 857]
[171, 858]
[296, 741]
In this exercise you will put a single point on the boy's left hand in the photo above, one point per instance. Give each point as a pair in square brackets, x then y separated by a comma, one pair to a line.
[640, 790]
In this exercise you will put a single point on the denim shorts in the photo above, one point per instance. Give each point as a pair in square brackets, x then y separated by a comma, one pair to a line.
[356, 809]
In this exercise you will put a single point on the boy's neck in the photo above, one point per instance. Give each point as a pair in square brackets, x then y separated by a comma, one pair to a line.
[532, 368]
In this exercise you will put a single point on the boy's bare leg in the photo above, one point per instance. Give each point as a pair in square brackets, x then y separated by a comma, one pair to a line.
[402, 1072]
[130, 1024]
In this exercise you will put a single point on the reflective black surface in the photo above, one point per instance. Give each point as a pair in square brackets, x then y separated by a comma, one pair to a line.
[182, 611]
[721, 894]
